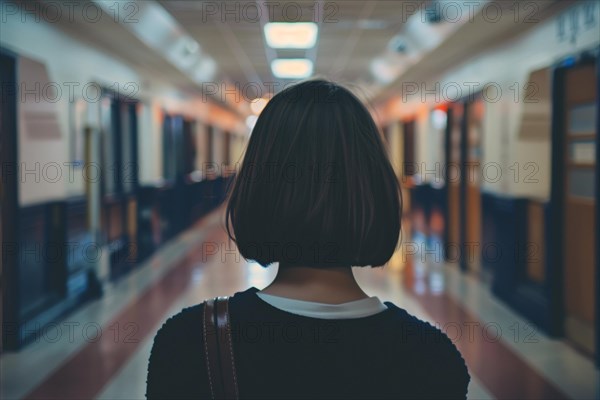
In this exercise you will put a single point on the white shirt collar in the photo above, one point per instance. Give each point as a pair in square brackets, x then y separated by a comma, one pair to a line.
[353, 309]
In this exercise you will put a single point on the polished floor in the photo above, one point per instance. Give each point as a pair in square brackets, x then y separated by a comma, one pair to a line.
[101, 351]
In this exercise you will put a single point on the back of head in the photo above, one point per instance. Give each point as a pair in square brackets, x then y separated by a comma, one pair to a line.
[315, 187]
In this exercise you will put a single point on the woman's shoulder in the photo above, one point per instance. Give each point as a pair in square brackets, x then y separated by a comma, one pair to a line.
[176, 359]
[187, 323]
[178, 333]
[414, 328]
[430, 346]
[420, 334]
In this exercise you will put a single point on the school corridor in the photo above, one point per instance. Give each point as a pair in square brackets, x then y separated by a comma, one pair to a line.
[101, 350]
[123, 125]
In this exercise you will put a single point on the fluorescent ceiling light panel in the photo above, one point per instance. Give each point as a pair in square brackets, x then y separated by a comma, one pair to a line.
[384, 71]
[160, 31]
[292, 68]
[154, 26]
[291, 35]
[181, 54]
[205, 70]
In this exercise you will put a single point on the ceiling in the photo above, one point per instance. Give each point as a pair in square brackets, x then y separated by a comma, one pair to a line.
[351, 35]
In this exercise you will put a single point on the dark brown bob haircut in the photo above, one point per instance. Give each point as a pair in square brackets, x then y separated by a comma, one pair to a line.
[316, 187]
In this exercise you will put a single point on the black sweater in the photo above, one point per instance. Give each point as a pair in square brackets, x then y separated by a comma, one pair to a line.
[278, 355]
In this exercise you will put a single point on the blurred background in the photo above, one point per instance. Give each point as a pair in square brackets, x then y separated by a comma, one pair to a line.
[124, 122]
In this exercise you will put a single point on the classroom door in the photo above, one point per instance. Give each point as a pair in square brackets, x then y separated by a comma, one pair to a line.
[453, 180]
[579, 216]
[8, 198]
[471, 218]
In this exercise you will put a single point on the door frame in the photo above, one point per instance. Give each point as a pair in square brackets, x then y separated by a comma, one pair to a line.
[555, 266]
[452, 117]
[9, 195]
[466, 103]
[122, 251]
[447, 155]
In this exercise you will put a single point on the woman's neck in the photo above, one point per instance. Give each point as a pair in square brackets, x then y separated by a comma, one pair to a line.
[334, 285]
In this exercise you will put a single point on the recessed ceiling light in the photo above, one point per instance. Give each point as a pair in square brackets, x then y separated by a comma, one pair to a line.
[192, 47]
[384, 71]
[292, 68]
[371, 24]
[205, 70]
[291, 35]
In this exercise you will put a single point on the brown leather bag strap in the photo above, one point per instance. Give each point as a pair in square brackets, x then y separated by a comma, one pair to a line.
[226, 348]
[209, 333]
[218, 348]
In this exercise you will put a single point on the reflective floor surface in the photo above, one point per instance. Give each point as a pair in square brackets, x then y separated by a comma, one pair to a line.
[101, 351]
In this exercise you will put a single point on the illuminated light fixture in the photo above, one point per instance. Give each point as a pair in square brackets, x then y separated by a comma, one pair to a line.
[383, 71]
[192, 47]
[184, 52]
[155, 26]
[257, 105]
[371, 24]
[205, 70]
[291, 35]
[292, 68]
[160, 31]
